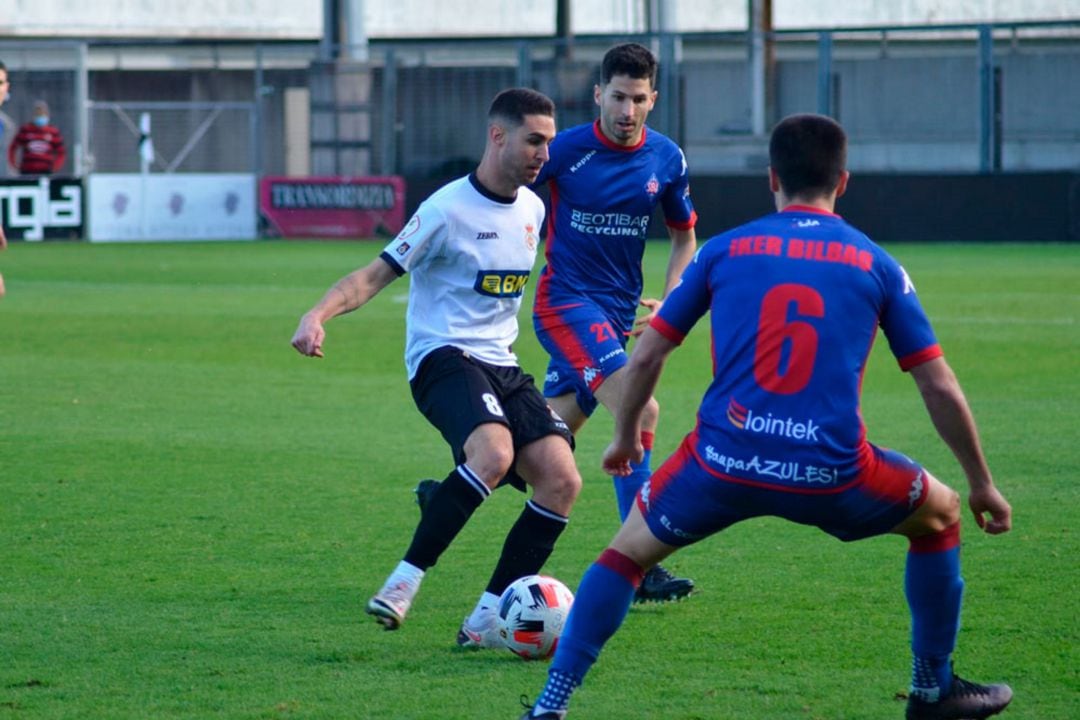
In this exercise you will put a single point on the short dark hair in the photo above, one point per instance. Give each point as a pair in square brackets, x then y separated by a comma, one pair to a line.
[514, 104]
[808, 153]
[630, 59]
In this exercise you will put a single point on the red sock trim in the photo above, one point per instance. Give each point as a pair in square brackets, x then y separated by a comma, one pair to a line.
[617, 562]
[947, 539]
[647, 439]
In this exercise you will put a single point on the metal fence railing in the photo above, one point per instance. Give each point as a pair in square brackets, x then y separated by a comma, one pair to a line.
[969, 98]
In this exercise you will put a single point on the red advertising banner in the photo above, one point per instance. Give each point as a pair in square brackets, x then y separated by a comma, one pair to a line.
[334, 207]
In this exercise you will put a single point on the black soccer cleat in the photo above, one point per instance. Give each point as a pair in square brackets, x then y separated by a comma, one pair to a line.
[424, 490]
[965, 701]
[544, 716]
[659, 585]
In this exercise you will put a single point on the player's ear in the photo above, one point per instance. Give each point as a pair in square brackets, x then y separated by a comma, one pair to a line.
[841, 187]
[774, 180]
[597, 92]
[496, 133]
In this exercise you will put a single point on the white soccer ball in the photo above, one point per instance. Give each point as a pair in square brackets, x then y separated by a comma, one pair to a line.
[532, 612]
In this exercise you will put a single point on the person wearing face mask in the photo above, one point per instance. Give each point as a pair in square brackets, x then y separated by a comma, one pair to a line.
[38, 147]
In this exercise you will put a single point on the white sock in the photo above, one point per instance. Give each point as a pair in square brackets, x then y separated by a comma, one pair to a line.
[406, 572]
[485, 605]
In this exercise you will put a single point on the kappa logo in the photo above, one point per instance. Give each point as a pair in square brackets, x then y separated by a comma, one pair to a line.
[589, 374]
[577, 166]
[916, 491]
[909, 287]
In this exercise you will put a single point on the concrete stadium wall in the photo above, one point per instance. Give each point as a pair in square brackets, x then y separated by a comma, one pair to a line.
[1013, 207]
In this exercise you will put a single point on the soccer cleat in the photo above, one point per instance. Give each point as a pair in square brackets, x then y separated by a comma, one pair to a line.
[552, 715]
[484, 636]
[424, 490]
[659, 585]
[391, 604]
[965, 701]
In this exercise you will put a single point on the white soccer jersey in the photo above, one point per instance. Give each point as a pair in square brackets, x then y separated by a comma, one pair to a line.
[470, 254]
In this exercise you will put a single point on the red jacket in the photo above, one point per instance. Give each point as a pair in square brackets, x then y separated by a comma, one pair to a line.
[42, 150]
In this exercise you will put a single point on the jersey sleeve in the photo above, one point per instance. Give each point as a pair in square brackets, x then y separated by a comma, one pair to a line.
[419, 239]
[679, 210]
[904, 322]
[685, 304]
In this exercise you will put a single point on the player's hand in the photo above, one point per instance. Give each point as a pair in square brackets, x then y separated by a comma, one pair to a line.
[618, 456]
[643, 322]
[987, 499]
[308, 338]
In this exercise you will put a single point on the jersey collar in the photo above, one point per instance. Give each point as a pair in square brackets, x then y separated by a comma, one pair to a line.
[479, 187]
[614, 145]
[808, 209]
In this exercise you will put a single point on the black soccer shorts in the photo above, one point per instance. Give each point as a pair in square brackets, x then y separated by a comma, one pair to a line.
[457, 392]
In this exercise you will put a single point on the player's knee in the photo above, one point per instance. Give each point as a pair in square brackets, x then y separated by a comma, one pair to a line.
[558, 482]
[941, 509]
[492, 462]
[650, 415]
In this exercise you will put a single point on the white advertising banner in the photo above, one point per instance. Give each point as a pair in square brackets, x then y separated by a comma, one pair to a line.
[174, 206]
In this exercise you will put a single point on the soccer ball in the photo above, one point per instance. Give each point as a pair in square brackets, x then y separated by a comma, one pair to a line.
[532, 612]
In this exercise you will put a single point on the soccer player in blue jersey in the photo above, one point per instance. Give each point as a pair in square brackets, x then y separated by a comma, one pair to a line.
[470, 248]
[794, 302]
[606, 178]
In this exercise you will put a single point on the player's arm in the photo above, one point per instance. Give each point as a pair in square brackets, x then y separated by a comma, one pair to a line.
[346, 295]
[683, 247]
[954, 422]
[642, 374]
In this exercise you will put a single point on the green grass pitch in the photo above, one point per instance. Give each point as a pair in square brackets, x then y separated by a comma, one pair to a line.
[191, 514]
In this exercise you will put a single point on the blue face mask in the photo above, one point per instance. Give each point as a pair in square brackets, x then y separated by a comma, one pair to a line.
[41, 120]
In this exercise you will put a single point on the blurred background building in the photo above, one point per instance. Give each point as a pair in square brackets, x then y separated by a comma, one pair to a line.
[366, 87]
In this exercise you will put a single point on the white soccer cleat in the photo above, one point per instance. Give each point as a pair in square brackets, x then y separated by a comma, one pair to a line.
[392, 603]
[486, 635]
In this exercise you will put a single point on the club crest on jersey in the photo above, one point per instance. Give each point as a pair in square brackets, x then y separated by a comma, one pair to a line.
[501, 283]
[652, 186]
[530, 237]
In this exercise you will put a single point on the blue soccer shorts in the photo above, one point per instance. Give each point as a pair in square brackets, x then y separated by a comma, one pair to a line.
[585, 346]
[684, 502]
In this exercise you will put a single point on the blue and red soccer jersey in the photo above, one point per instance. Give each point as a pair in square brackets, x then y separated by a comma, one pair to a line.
[796, 299]
[602, 197]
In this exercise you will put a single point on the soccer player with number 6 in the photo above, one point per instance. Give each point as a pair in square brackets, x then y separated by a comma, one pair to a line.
[794, 301]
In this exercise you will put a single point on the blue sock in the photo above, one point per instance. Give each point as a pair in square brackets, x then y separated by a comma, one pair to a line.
[602, 601]
[934, 591]
[626, 488]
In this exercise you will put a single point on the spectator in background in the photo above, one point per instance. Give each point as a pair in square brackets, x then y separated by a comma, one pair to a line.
[38, 148]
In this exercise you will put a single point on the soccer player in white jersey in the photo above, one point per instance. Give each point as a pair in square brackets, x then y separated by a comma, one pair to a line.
[470, 248]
